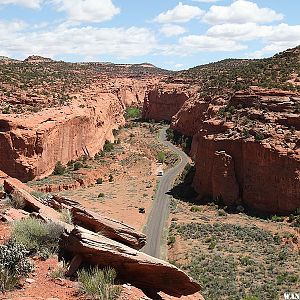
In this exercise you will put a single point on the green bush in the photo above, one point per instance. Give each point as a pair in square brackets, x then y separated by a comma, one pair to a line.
[171, 240]
[132, 113]
[37, 236]
[276, 218]
[108, 146]
[77, 165]
[13, 264]
[99, 284]
[66, 216]
[161, 156]
[259, 137]
[60, 270]
[195, 208]
[59, 169]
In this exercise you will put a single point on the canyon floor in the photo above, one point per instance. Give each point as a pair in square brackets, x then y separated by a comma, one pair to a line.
[234, 255]
[132, 166]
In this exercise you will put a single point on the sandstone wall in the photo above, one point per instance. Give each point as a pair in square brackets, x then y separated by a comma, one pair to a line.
[163, 105]
[254, 174]
[263, 175]
[31, 145]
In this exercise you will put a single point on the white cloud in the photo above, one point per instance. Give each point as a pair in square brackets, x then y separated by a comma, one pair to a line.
[241, 11]
[281, 33]
[85, 41]
[193, 44]
[178, 66]
[172, 30]
[282, 37]
[88, 10]
[28, 3]
[242, 32]
[180, 14]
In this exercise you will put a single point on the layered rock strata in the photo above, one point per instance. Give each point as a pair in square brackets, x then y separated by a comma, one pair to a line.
[32, 144]
[246, 148]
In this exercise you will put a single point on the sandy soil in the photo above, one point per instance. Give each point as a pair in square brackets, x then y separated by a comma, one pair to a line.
[133, 166]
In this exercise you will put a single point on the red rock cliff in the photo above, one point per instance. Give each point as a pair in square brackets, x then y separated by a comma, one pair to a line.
[31, 144]
[246, 149]
[164, 104]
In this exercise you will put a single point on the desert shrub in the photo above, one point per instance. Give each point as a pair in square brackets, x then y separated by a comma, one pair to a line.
[101, 195]
[13, 264]
[99, 284]
[99, 181]
[60, 270]
[259, 136]
[245, 133]
[161, 156]
[110, 178]
[171, 240]
[77, 165]
[222, 213]
[66, 216]
[195, 208]
[59, 169]
[108, 146]
[276, 218]
[37, 236]
[132, 113]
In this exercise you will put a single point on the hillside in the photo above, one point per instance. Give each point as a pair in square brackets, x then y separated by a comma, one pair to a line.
[37, 82]
[227, 76]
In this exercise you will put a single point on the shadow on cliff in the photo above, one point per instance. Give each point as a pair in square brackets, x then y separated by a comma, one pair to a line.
[183, 190]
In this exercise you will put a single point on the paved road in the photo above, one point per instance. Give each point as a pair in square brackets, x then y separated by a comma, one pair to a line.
[160, 209]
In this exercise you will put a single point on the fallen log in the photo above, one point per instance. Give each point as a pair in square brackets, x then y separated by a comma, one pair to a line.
[137, 268]
[108, 227]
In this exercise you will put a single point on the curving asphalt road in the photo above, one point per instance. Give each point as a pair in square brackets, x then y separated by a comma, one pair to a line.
[160, 209]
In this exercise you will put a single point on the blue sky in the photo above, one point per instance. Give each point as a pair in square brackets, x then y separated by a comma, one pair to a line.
[168, 33]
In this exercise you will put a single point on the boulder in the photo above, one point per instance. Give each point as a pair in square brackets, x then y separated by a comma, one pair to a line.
[13, 187]
[110, 228]
[137, 268]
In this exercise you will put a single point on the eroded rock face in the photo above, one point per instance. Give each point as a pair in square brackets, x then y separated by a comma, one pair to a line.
[164, 104]
[265, 179]
[224, 182]
[31, 144]
[246, 149]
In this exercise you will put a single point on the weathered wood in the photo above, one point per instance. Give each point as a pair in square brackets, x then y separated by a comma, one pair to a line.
[110, 228]
[137, 268]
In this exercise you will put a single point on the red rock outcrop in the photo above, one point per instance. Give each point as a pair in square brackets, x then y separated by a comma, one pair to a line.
[268, 180]
[87, 247]
[98, 223]
[163, 104]
[31, 144]
[137, 268]
[246, 149]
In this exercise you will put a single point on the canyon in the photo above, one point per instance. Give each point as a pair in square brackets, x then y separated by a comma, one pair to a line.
[31, 143]
[244, 131]
[231, 161]
[239, 138]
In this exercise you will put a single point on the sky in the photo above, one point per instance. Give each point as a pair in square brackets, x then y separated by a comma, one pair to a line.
[167, 33]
